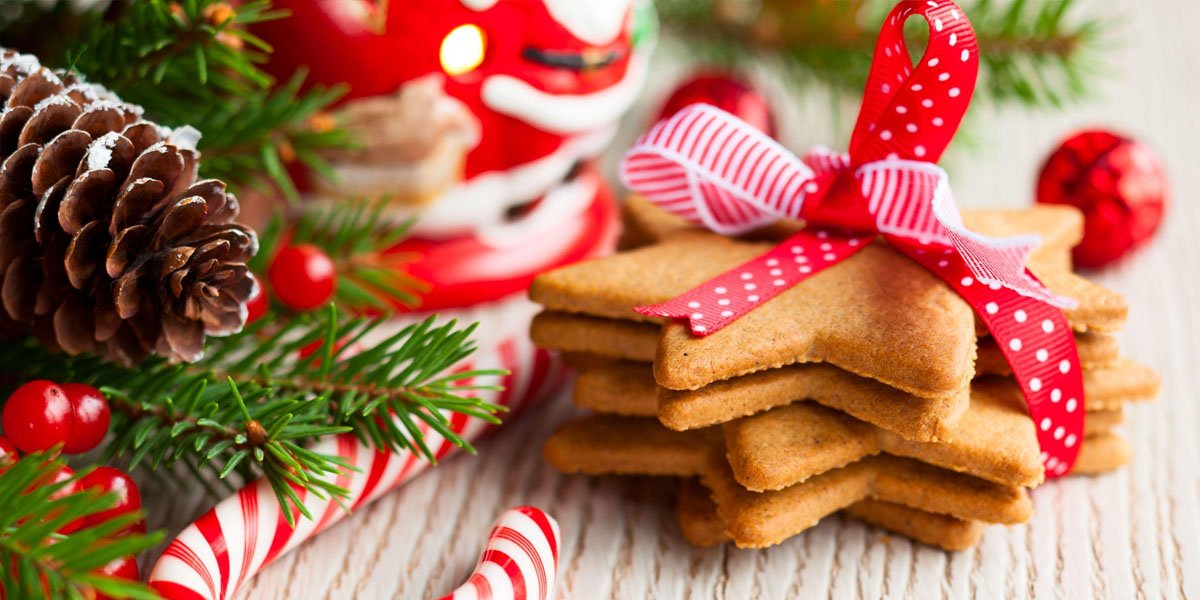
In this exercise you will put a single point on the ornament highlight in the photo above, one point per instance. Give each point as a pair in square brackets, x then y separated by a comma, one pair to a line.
[1117, 182]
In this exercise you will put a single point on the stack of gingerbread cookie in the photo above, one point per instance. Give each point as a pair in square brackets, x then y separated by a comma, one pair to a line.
[868, 389]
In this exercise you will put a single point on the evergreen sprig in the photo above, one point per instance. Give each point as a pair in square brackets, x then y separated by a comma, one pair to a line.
[357, 234]
[194, 62]
[259, 397]
[38, 562]
[1033, 52]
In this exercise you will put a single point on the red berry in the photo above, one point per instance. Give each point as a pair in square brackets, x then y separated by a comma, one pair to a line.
[123, 568]
[64, 473]
[257, 305]
[91, 417]
[302, 277]
[37, 416]
[112, 481]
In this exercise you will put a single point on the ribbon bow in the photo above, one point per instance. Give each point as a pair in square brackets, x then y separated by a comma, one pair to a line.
[715, 170]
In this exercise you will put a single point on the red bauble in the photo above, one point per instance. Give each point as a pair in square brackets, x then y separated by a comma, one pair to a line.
[726, 92]
[257, 305]
[37, 416]
[302, 277]
[112, 481]
[122, 568]
[1117, 182]
[91, 417]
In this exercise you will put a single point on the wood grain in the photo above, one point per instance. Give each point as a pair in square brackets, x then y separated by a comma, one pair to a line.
[1132, 533]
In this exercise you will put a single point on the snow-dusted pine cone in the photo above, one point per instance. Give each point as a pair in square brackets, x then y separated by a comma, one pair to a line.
[108, 244]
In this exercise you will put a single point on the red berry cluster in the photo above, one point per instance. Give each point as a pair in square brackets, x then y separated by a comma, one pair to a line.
[42, 414]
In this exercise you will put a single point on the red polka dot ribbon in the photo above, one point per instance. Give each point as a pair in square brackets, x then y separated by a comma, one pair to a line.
[715, 170]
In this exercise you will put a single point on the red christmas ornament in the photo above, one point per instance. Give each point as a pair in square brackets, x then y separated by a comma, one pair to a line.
[257, 305]
[726, 92]
[112, 481]
[91, 417]
[302, 277]
[37, 416]
[1117, 182]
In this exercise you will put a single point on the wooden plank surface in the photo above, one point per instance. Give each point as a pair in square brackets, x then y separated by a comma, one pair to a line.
[1132, 533]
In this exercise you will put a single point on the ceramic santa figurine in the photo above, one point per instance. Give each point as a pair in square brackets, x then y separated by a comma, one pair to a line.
[480, 119]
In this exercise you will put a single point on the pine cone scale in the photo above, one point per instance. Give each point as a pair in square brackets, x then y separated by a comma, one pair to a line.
[60, 158]
[78, 207]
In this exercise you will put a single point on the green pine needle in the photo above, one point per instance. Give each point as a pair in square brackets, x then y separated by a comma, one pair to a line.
[38, 561]
[252, 402]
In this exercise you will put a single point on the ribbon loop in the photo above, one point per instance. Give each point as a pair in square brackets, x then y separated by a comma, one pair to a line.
[913, 112]
[711, 168]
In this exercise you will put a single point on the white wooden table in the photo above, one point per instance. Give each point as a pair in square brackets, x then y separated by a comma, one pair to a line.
[1136, 531]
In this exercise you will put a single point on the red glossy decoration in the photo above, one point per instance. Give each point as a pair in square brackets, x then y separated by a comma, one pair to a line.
[123, 568]
[302, 277]
[1117, 182]
[64, 473]
[112, 481]
[91, 417]
[37, 416]
[257, 305]
[727, 92]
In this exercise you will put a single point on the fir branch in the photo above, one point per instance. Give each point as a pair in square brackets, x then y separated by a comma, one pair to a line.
[252, 404]
[195, 63]
[38, 561]
[1034, 52]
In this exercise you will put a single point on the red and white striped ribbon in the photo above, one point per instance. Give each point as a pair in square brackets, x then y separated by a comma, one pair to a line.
[212, 558]
[520, 561]
[717, 171]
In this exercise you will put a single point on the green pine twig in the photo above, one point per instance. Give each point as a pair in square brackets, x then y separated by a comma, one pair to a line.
[195, 63]
[39, 562]
[252, 404]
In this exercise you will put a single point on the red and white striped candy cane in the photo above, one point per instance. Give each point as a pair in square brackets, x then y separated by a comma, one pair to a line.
[520, 561]
[231, 543]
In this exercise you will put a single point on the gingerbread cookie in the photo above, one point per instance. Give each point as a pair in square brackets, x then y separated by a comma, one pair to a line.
[604, 444]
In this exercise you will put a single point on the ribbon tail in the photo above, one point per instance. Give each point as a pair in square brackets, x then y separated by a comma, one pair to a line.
[723, 299]
[1039, 345]
[994, 261]
[713, 169]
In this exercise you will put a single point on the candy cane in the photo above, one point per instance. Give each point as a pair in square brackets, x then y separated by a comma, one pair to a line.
[212, 558]
[520, 561]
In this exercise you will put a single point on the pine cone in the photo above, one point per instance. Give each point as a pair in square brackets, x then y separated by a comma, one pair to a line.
[108, 244]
